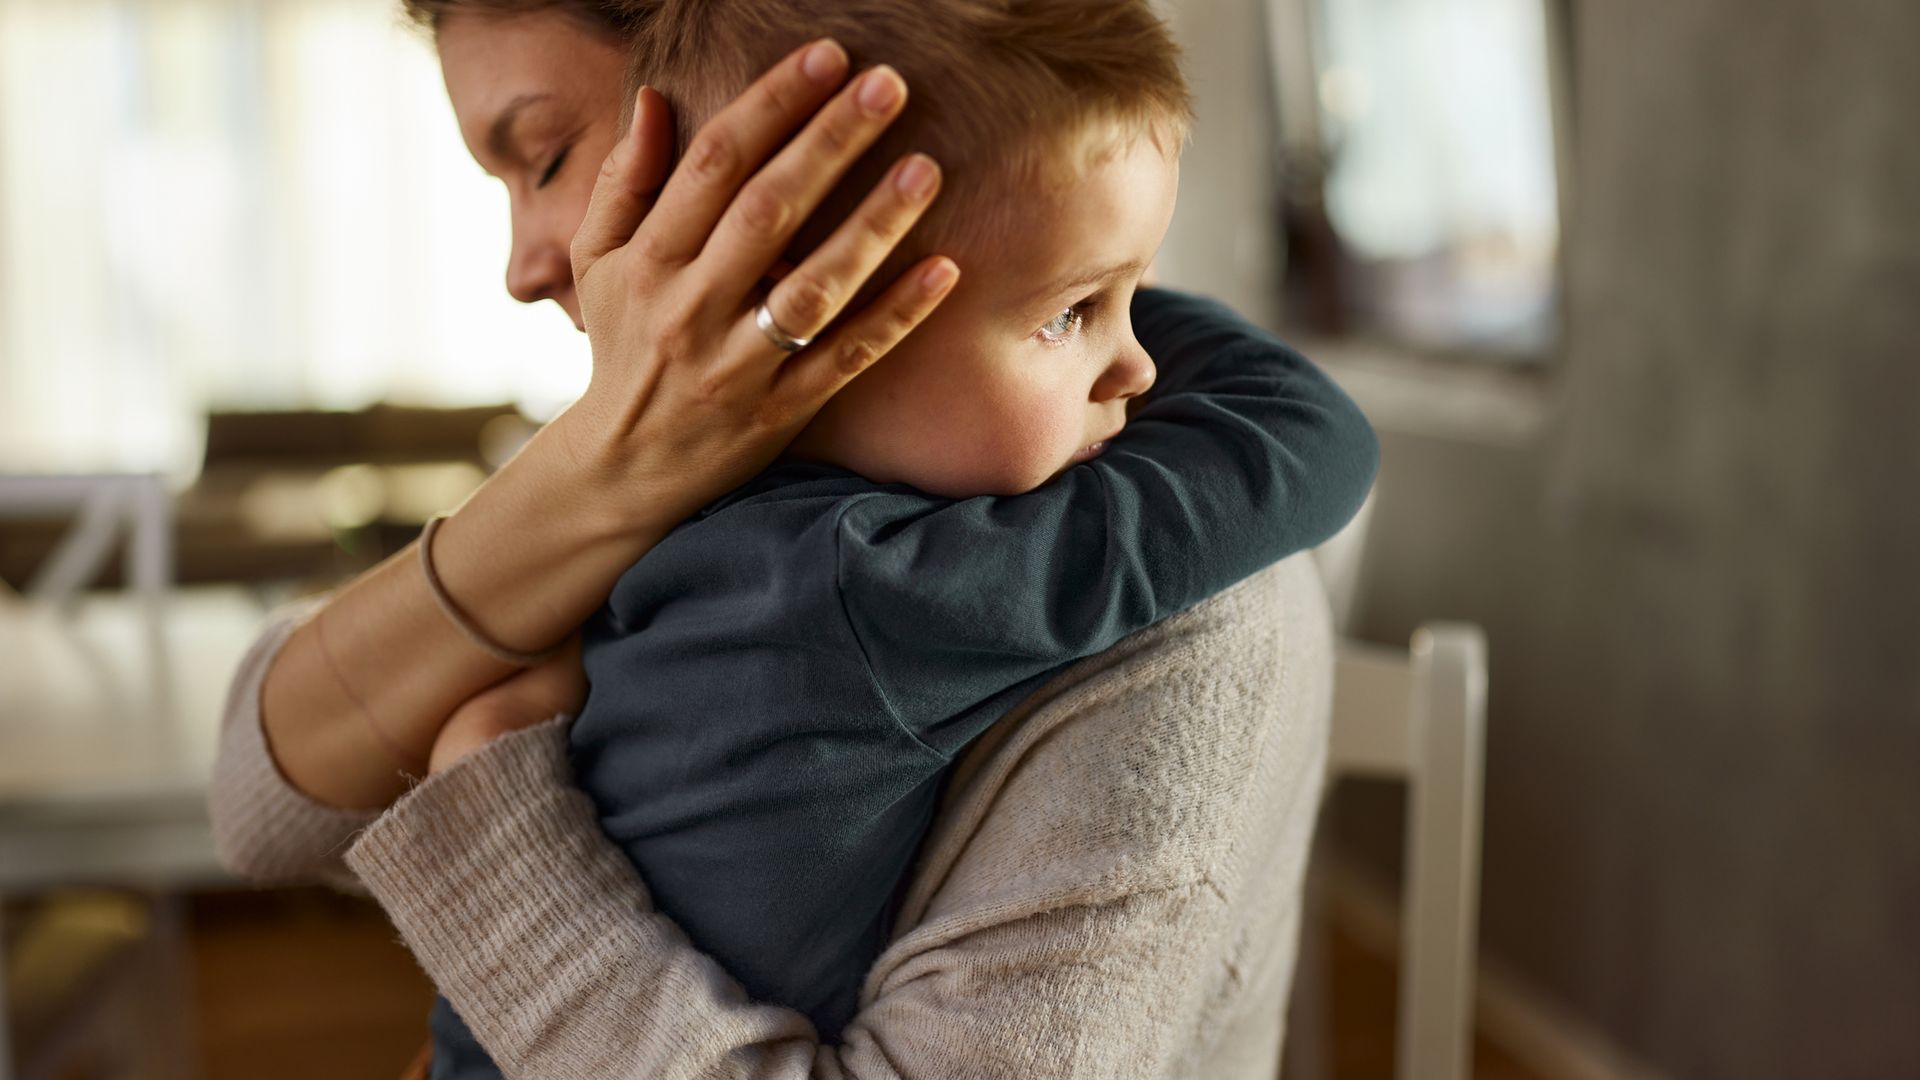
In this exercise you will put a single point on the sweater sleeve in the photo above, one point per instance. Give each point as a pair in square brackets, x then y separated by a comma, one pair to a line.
[1244, 453]
[546, 940]
[264, 828]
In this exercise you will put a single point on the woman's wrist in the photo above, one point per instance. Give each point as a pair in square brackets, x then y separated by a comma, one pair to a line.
[533, 552]
[527, 559]
[617, 496]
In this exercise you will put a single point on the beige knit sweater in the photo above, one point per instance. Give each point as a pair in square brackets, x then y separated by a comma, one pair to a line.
[1111, 889]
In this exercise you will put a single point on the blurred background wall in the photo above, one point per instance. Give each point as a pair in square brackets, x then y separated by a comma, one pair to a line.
[1690, 535]
[1703, 776]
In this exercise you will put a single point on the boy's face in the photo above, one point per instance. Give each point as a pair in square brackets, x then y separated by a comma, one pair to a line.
[1029, 365]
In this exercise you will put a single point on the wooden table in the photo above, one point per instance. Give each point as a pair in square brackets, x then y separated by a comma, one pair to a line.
[107, 736]
[108, 726]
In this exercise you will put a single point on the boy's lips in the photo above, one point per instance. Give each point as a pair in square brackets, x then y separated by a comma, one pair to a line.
[1094, 451]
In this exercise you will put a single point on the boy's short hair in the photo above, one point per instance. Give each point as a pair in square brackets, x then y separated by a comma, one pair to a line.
[1004, 94]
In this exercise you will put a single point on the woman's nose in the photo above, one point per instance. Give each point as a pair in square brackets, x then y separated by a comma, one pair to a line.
[538, 269]
[1129, 375]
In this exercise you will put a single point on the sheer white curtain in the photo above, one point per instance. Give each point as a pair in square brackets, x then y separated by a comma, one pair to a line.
[241, 203]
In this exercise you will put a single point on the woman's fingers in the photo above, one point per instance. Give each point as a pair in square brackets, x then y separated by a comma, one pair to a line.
[811, 296]
[629, 179]
[735, 142]
[822, 369]
[763, 219]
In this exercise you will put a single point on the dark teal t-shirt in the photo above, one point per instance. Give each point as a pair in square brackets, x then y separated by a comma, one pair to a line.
[777, 690]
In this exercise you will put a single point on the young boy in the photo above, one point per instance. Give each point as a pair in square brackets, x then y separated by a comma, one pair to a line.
[779, 688]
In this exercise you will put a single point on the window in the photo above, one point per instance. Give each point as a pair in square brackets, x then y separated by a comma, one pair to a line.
[246, 204]
[1424, 205]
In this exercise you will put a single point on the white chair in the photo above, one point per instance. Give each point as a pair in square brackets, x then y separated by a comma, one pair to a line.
[103, 508]
[1418, 716]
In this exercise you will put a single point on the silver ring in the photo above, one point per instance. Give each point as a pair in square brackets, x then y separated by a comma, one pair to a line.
[763, 318]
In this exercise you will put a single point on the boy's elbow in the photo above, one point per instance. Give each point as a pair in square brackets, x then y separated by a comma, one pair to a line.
[1347, 476]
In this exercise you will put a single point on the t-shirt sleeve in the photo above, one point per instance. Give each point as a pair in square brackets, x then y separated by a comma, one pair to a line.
[1244, 453]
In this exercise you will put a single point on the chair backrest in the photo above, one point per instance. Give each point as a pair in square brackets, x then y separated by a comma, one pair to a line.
[1419, 715]
[103, 508]
[1341, 561]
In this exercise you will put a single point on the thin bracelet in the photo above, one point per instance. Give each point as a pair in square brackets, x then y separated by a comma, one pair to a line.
[458, 617]
[394, 750]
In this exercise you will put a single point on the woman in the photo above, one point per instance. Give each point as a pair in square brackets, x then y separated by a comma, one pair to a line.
[1128, 843]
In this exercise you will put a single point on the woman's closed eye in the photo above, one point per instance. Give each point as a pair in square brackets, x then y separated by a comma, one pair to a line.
[553, 169]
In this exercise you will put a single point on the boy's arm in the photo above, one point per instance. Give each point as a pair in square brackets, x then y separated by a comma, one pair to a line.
[1243, 454]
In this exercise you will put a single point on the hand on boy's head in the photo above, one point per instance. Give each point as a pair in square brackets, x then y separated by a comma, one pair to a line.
[1059, 124]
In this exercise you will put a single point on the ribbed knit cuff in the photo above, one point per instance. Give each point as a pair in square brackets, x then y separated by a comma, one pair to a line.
[499, 878]
[264, 828]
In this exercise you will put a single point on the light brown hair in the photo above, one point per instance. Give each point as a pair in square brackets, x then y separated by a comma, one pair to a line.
[1005, 94]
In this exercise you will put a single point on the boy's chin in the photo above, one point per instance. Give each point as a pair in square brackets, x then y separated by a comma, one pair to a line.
[946, 475]
[954, 480]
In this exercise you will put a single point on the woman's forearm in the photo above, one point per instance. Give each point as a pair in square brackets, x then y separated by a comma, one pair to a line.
[527, 558]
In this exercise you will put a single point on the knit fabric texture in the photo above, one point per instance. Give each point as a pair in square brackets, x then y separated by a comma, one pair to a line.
[1111, 886]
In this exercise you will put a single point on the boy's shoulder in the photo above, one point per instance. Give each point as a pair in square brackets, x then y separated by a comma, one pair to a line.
[794, 486]
[779, 531]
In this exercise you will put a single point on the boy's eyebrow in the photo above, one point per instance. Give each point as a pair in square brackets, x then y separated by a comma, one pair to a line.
[500, 136]
[1081, 281]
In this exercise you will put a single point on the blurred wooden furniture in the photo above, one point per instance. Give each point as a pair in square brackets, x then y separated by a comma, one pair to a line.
[109, 708]
[105, 755]
[96, 511]
[298, 495]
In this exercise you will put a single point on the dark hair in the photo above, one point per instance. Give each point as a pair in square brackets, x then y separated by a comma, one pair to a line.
[610, 18]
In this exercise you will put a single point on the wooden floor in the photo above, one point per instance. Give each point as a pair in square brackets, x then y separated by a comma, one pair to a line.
[1363, 991]
[310, 984]
[303, 985]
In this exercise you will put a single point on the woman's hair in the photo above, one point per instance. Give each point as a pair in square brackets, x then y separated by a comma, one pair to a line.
[1008, 95]
[606, 17]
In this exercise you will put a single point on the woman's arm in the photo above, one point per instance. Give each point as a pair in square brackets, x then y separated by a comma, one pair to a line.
[263, 827]
[271, 832]
[687, 400]
[1161, 934]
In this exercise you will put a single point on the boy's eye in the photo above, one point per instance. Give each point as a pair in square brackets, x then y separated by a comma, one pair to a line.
[1063, 326]
[553, 169]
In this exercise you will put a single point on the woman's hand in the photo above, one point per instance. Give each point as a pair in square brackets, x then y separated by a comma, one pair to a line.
[534, 696]
[689, 398]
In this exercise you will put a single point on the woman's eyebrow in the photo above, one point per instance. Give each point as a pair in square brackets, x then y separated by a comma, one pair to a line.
[500, 135]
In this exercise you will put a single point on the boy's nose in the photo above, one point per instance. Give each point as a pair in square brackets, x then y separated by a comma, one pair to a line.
[1129, 375]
